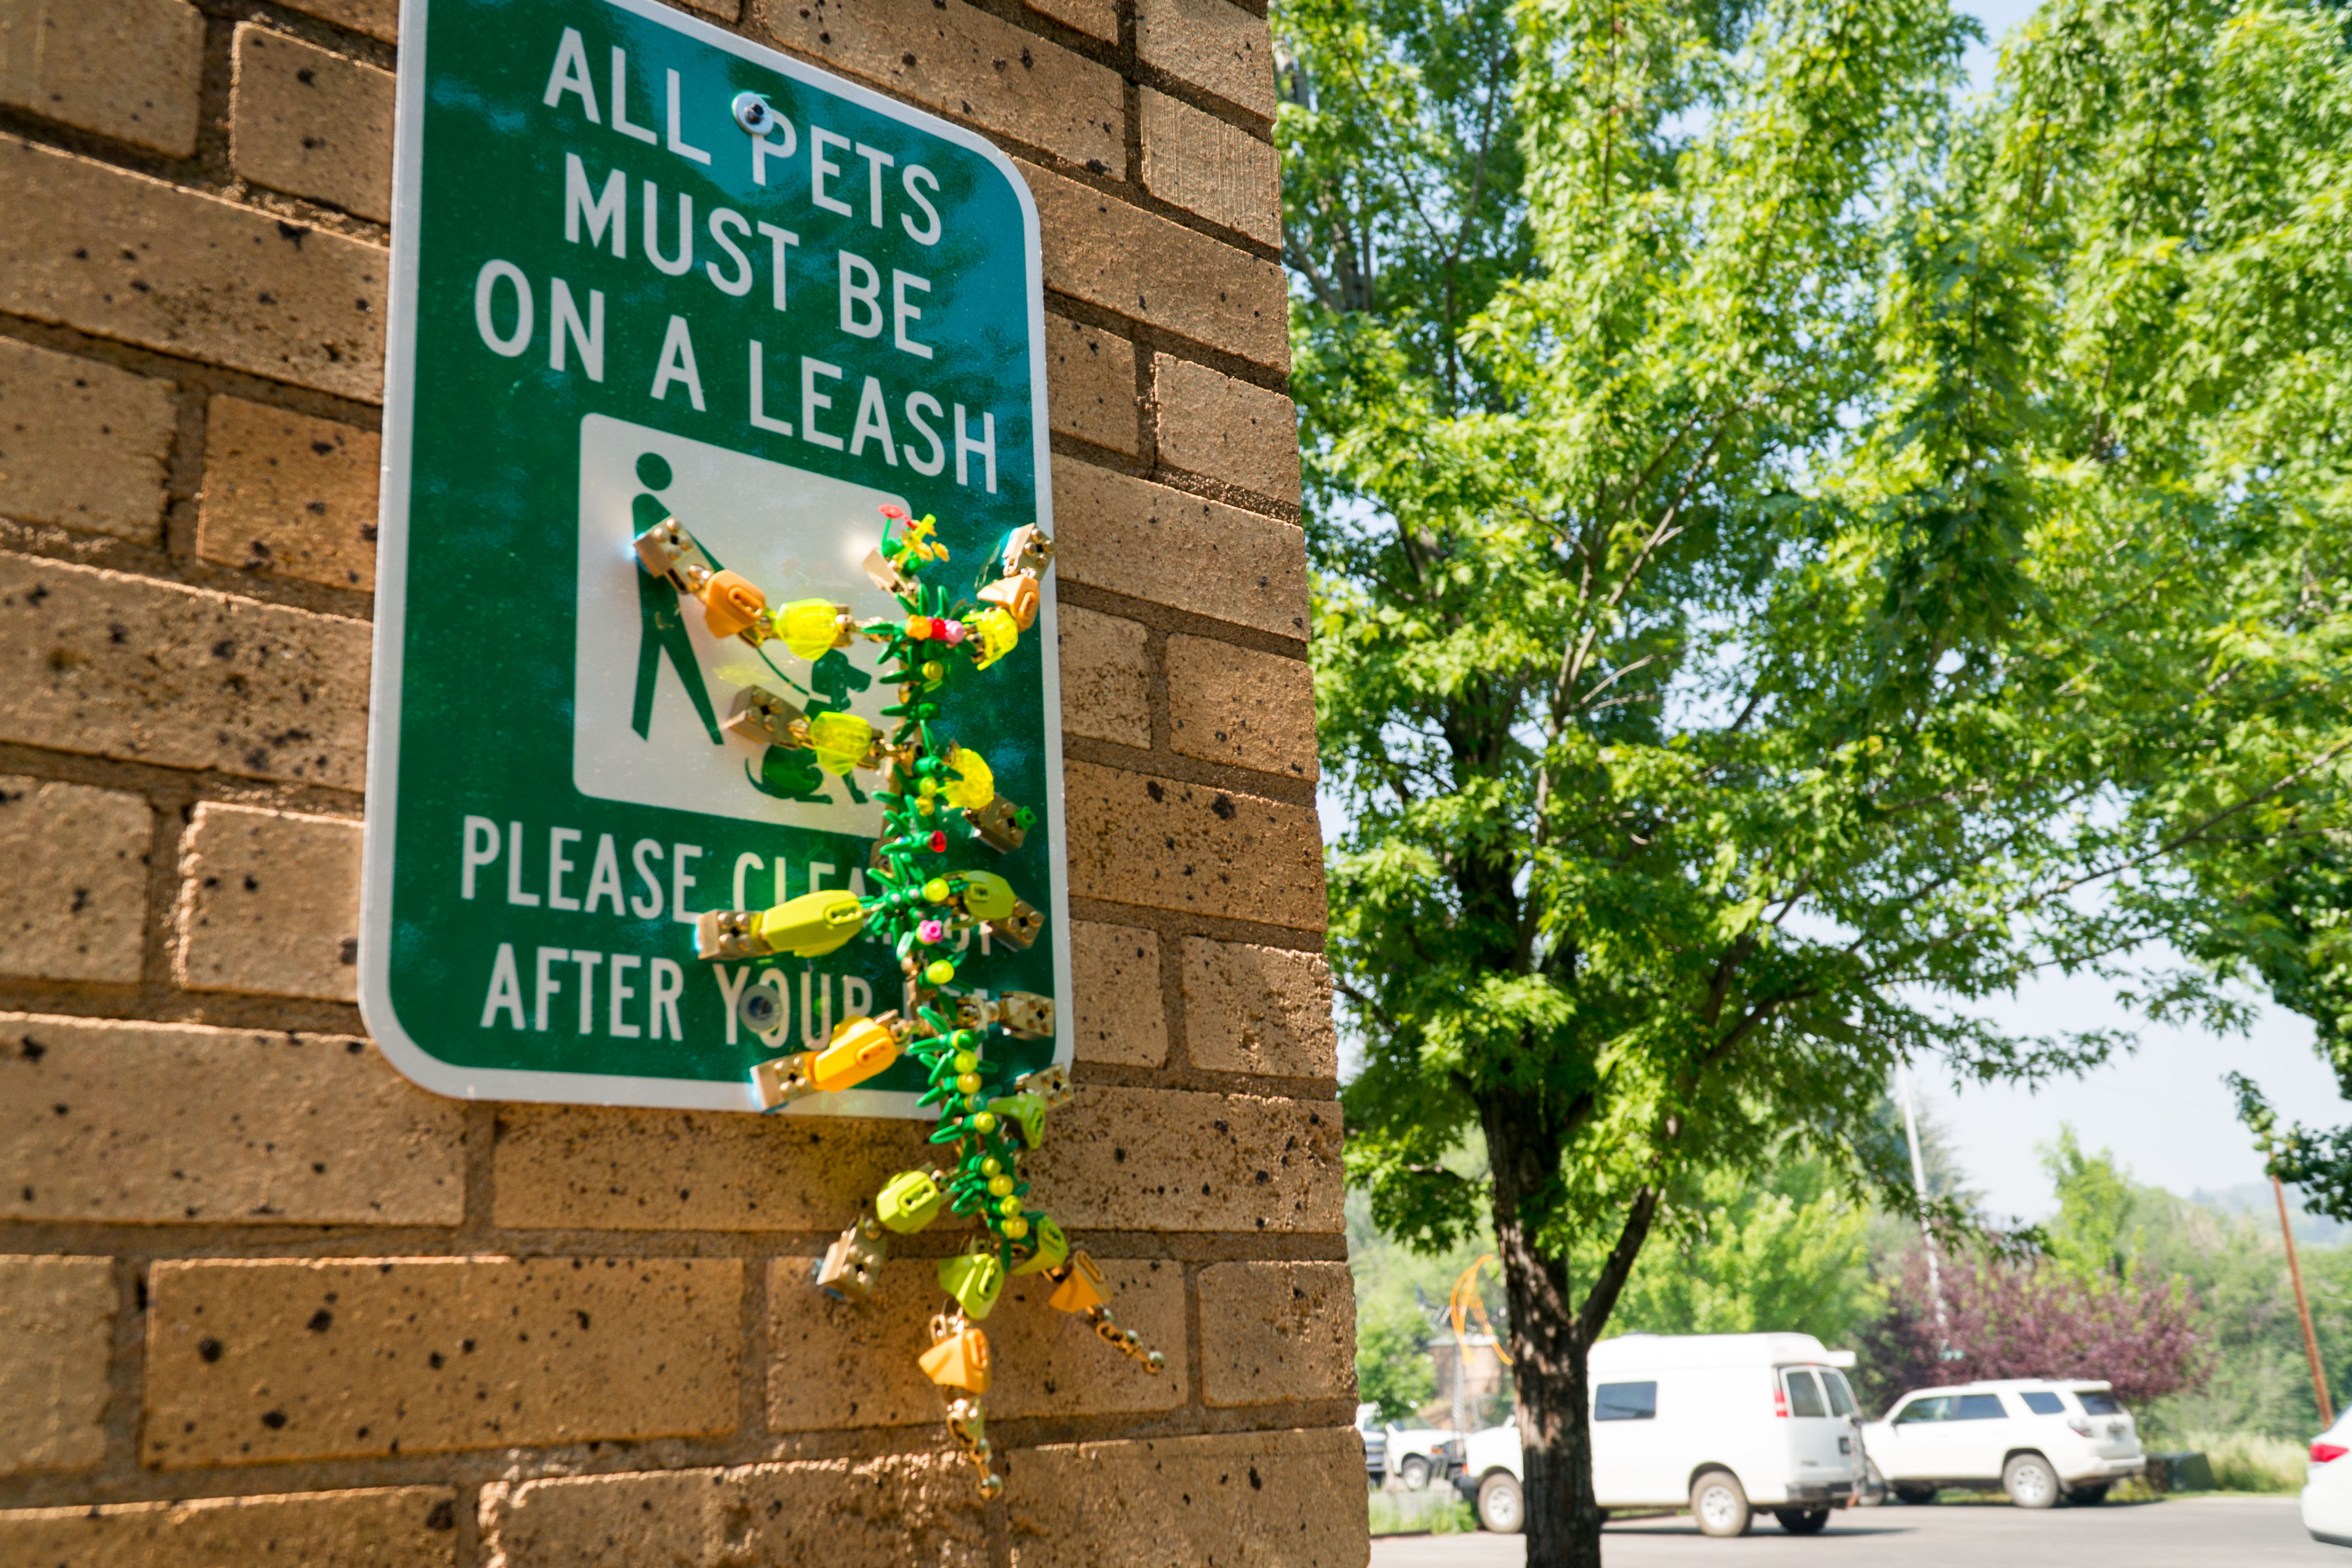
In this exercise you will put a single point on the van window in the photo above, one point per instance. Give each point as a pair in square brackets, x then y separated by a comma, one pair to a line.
[1980, 1407]
[2042, 1404]
[1625, 1402]
[1804, 1393]
[1841, 1396]
[2099, 1403]
[1934, 1407]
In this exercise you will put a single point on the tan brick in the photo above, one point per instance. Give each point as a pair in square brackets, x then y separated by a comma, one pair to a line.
[667, 1170]
[1131, 536]
[269, 903]
[155, 1124]
[1157, 1159]
[285, 492]
[902, 1510]
[826, 1372]
[1090, 385]
[252, 1360]
[116, 666]
[1219, 171]
[1098, 18]
[83, 445]
[1253, 1499]
[57, 1332]
[1273, 1332]
[1106, 677]
[125, 69]
[1212, 44]
[1227, 429]
[1259, 1009]
[73, 896]
[122, 256]
[376, 18]
[388, 1527]
[1134, 840]
[1099, 250]
[311, 123]
[961, 61]
[1115, 971]
[1235, 705]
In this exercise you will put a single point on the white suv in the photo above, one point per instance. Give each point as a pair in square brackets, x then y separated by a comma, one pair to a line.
[2037, 1438]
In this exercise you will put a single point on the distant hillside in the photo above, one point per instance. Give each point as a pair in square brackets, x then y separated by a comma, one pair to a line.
[2253, 1200]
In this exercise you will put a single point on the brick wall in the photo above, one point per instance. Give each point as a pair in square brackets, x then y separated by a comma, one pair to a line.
[261, 1301]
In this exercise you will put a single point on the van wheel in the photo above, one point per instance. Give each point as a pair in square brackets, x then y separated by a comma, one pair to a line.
[1502, 1508]
[1414, 1473]
[2030, 1481]
[1803, 1521]
[1719, 1503]
[2088, 1496]
[1915, 1494]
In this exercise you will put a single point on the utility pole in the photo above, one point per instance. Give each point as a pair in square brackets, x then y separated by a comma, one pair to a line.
[1919, 1185]
[2303, 1307]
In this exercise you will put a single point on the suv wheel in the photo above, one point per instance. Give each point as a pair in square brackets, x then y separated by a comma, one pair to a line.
[1719, 1503]
[1914, 1493]
[1502, 1508]
[1803, 1521]
[2030, 1481]
[1414, 1473]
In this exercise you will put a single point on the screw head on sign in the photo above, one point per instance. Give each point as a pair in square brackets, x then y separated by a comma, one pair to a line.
[754, 113]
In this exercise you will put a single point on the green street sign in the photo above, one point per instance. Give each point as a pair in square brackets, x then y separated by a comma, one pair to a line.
[643, 270]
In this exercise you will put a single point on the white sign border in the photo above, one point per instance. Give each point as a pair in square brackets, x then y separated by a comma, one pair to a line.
[416, 1063]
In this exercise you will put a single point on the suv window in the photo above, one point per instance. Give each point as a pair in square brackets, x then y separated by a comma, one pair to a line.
[2099, 1403]
[1841, 1396]
[1935, 1407]
[1625, 1402]
[2044, 1404]
[1804, 1393]
[1980, 1407]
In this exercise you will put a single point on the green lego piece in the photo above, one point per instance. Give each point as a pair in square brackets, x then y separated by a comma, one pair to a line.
[909, 1201]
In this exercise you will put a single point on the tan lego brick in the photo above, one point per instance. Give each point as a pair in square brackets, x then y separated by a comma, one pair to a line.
[73, 893]
[1258, 1010]
[1213, 424]
[311, 123]
[1228, 704]
[1115, 971]
[852, 1364]
[1173, 1159]
[269, 903]
[57, 1334]
[83, 445]
[1293, 1498]
[376, 18]
[1210, 44]
[121, 256]
[962, 61]
[1205, 165]
[286, 492]
[126, 68]
[388, 1527]
[158, 1123]
[111, 664]
[1135, 839]
[252, 1360]
[560, 1166]
[901, 1511]
[1091, 386]
[1131, 536]
[1275, 1332]
[1099, 250]
[1106, 677]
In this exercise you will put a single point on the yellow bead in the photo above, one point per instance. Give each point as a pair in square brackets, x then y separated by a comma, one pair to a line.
[986, 1122]
[968, 1083]
[1016, 1228]
[1008, 1207]
[938, 972]
[839, 739]
[999, 1185]
[927, 788]
[937, 890]
[997, 631]
[977, 787]
[809, 627]
[965, 1062]
[933, 669]
[991, 1165]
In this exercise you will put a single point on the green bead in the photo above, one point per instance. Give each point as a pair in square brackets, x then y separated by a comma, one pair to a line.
[938, 972]
[936, 889]
[965, 1061]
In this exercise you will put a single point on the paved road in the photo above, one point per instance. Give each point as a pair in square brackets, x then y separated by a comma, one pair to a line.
[2186, 1532]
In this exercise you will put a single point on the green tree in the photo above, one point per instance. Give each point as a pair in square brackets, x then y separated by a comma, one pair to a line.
[2091, 1238]
[1393, 1369]
[1749, 618]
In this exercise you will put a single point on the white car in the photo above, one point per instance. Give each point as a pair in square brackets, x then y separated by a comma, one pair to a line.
[2327, 1488]
[1417, 1456]
[1724, 1425]
[2039, 1440]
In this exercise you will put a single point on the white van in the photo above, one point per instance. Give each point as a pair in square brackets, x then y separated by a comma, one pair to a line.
[1720, 1424]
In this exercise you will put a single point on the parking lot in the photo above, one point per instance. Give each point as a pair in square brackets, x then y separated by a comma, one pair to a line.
[2186, 1532]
